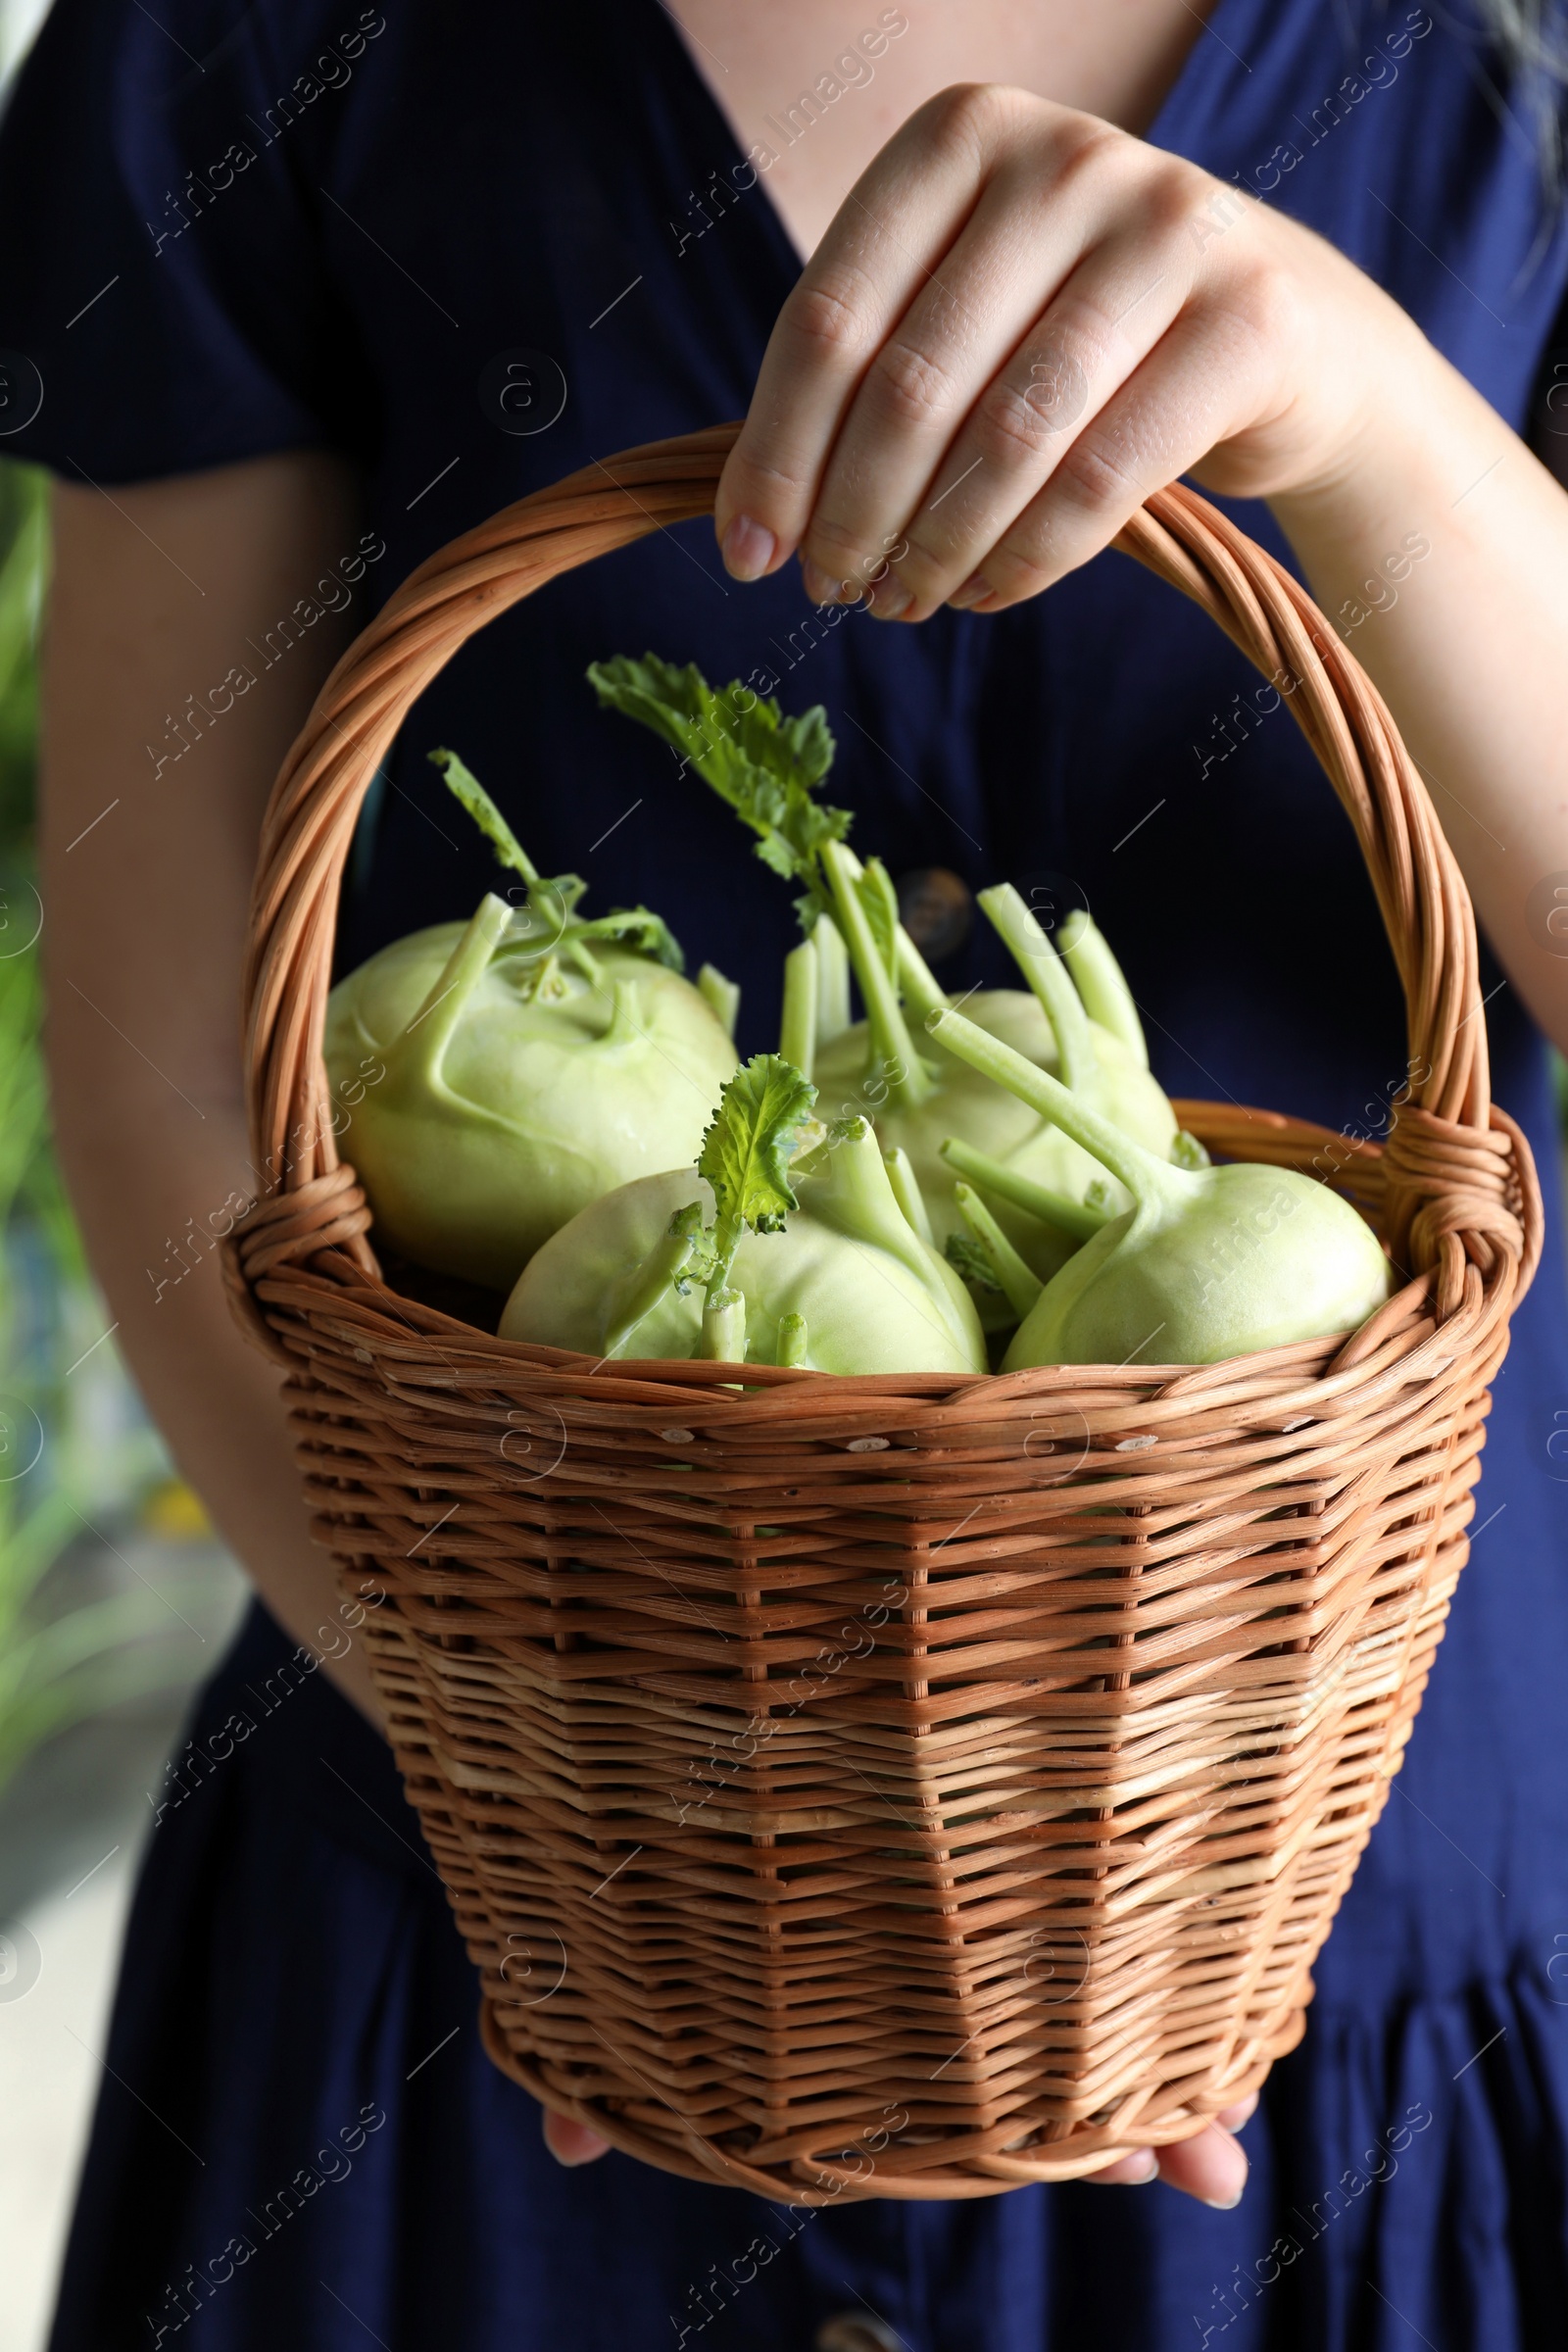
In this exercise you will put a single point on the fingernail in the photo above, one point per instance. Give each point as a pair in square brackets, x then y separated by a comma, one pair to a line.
[1148, 2167]
[890, 599]
[974, 591]
[819, 585]
[747, 547]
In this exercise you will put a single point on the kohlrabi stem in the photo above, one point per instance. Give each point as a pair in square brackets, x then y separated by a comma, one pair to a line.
[587, 963]
[916, 980]
[627, 1018]
[797, 1036]
[1102, 983]
[792, 1339]
[722, 997]
[1021, 1286]
[906, 1190]
[832, 980]
[907, 1083]
[1146, 1178]
[1052, 1208]
[1047, 975]
[728, 1234]
[425, 1039]
[669, 1257]
[860, 1198]
[723, 1333]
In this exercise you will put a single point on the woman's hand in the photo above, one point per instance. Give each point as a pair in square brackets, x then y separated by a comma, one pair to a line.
[1021, 322]
[1211, 2167]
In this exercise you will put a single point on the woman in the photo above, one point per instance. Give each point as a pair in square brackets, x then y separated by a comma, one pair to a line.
[302, 297]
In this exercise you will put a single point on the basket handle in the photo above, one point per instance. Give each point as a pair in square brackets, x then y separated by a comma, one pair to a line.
[310, 818]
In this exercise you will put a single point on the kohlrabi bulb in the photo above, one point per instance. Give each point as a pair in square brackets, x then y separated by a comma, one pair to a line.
[1208, 1263]
[847, 1286]
[521, 1084]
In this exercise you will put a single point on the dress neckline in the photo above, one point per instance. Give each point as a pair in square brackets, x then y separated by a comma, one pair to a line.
[1202, 62]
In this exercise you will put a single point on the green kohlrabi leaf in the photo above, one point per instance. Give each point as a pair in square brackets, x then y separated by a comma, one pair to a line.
[637, 928]
[468, 789]
[555, 897]
[764, 766]
[746, 1152]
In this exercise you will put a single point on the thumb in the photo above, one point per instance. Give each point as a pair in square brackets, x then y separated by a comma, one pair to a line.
[570, 2142]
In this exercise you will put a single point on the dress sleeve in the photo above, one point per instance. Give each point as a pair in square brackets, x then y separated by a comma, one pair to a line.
[164, 300]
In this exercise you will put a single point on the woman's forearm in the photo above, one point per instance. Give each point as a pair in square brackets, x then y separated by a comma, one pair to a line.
[1440, 554]
[181, 658]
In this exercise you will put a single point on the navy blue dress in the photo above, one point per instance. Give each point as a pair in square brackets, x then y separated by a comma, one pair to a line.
[236, 230]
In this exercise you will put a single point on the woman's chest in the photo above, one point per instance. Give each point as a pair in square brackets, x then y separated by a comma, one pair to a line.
[777, 73]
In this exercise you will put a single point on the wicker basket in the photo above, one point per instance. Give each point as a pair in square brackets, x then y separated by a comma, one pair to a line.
[891, 1786]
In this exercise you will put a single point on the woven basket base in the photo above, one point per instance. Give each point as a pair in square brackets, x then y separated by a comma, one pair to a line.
[641, 2121]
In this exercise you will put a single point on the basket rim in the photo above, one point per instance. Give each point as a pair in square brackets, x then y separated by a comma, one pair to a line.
[386, 1322]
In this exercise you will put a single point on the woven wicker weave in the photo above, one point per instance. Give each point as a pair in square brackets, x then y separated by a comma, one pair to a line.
[891, 1786]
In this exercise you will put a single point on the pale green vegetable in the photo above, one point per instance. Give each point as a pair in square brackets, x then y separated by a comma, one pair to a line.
[532, 1062]
[965, 1103]
[1208, 1264]
[518, 1086]
[755, 1259]
[768, 767]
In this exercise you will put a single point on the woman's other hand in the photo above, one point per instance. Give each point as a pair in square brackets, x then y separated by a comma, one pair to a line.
[1211, 2167]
